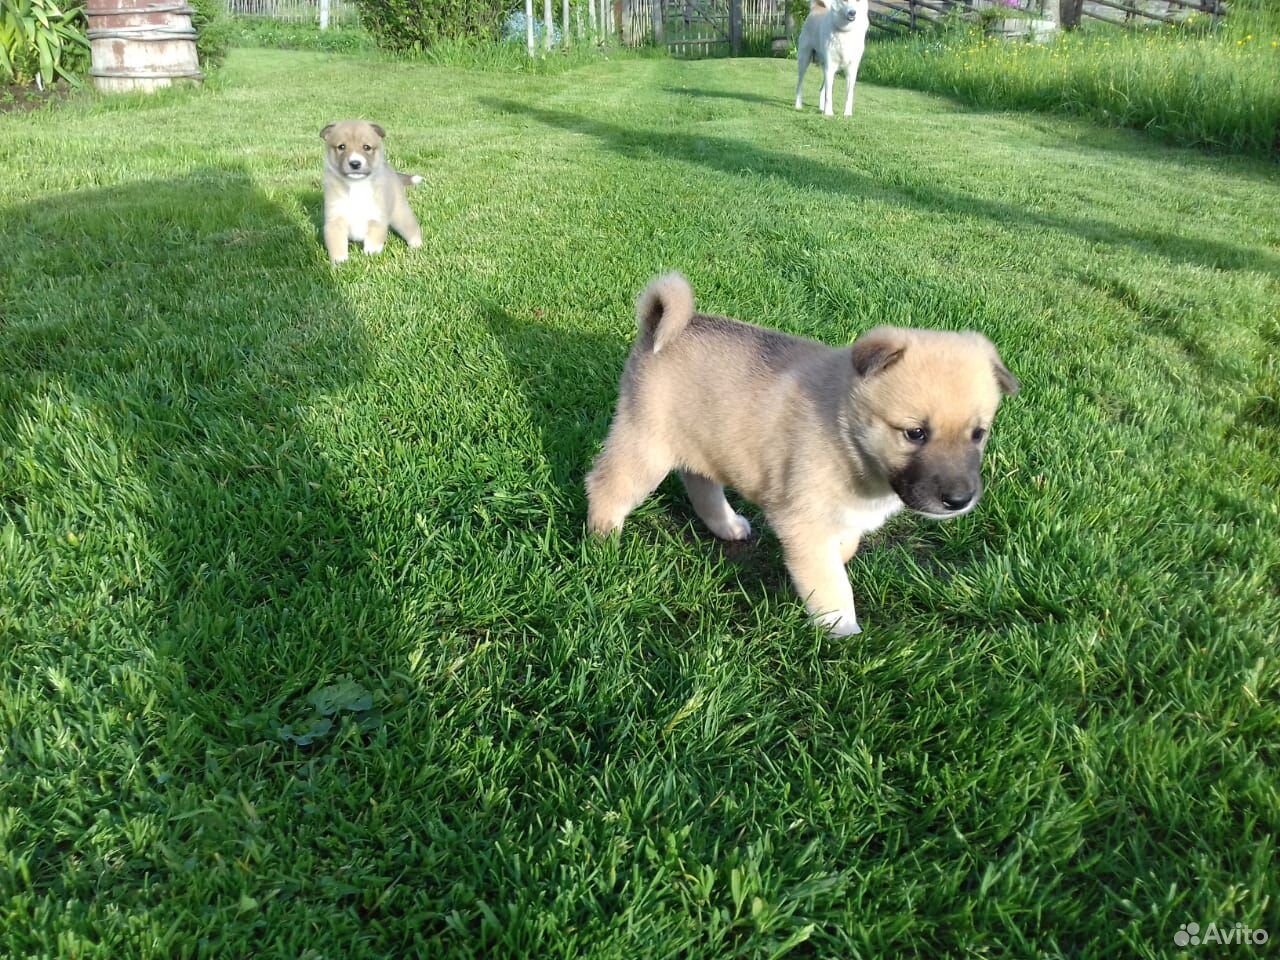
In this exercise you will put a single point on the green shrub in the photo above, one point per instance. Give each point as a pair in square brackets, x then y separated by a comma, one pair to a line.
[416, 25]
[279, 35]
[40, 41]
[213, 32]
[1207, 89]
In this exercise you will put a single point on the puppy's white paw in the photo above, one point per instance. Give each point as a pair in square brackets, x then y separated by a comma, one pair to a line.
[415, 242]
[738, 528]
[839, 623]
[372, 248]
[340, 258]
[415, 179]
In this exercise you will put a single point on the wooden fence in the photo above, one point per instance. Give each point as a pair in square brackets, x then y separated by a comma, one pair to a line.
[707, 27]
[1133, 12]
[711, 27]
[326, 12]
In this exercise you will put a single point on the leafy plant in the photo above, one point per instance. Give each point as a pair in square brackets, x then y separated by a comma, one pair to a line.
[328, 703]
[41, 42]
[213, 32]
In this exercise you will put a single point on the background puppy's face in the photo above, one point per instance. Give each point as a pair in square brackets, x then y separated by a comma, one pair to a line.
[353, 147]
[923, 406]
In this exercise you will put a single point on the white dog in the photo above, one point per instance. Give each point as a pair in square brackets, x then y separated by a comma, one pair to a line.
[834, 37]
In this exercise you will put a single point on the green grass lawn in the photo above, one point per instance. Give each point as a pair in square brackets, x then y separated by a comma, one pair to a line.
[305, 653]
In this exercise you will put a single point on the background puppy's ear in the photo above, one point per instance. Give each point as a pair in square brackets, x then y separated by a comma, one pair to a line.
[1009, 384]
[324, 134]
[378, 130]
[878, 350]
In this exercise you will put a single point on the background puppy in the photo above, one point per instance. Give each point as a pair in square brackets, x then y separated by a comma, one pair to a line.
[833, 36]
[363, 195]
[830, 442]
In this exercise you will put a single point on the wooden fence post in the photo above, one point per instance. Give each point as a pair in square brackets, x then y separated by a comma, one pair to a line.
[528, 25]
[324, 14]
[911, 7]
[735, 27]
[655, 7]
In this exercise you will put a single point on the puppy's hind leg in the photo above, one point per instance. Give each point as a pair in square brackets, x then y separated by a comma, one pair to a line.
[627, 471]
[405, 223]
[710, 503]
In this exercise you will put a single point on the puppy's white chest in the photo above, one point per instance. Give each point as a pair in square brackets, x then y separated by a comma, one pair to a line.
[358, 207]
[860, 517]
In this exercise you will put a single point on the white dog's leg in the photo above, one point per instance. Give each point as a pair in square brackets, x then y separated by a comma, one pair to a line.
[805, 56]
[852, 73]
[829, 90]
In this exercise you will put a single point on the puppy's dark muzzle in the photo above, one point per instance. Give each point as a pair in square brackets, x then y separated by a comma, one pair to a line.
[957, 500]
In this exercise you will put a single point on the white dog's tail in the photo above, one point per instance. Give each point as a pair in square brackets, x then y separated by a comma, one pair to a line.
[664, 309]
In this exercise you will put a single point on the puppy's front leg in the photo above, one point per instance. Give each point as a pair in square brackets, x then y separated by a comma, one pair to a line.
[819, 576]
[336, 233]
[375, 237]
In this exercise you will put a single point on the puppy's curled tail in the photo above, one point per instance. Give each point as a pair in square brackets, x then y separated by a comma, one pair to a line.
[410, 179]
[664, 309]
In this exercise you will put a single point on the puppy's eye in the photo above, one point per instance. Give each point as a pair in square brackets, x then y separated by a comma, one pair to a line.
[367, 148]
[342, 146]
[916, 434]
[978, 434]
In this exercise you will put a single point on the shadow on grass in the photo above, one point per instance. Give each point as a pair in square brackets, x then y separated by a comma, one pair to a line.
[739, 157]
[703, 94]
[186, 543]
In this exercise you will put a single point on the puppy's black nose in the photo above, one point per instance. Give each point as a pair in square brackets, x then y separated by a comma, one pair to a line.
[355, 163]
[957, 501]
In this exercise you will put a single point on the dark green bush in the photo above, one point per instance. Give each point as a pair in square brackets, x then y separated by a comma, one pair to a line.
[213, 32]
[415, 25]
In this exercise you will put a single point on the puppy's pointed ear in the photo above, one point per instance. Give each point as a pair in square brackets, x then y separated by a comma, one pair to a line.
[877, 350]
[1009, 384]
[324, 134]
[378, 130]
[818, 7]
